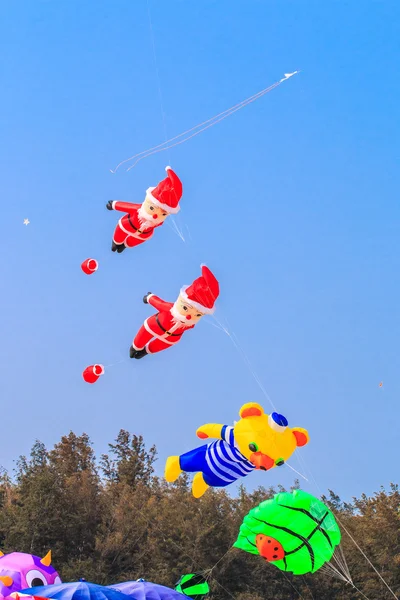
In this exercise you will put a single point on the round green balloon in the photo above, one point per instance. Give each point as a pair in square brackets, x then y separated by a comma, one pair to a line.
[304, 527]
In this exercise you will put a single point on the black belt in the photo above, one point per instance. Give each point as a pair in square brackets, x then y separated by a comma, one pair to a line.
[136, 229]
[164, 330]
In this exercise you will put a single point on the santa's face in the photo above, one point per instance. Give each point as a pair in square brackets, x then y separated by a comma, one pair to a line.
[186, 312]
[152, 213]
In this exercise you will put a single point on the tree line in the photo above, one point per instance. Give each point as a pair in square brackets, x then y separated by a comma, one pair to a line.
[111, 519]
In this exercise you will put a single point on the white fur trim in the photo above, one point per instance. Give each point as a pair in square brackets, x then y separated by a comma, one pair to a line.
[102, 370]
[113, 204]
[136, 348]
[200, 307]
[168, 168]
[275, 426]
[150, 296]
[96, 263]
[168, 209]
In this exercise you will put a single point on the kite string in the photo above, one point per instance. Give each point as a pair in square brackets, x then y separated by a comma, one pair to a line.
[195, 562]
[368, 560]
[236, 343]
[351, 537]
[292, 584]
[186, 132]
[360, 592]
[213, 120]
[160, 95]
[296, 471]
[209, 571]
[148, 153]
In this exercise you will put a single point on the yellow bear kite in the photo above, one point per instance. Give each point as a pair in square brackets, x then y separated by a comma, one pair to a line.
[257, 441]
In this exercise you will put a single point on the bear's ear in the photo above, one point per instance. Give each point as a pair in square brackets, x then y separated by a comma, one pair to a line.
[251, 409]
[301, 435]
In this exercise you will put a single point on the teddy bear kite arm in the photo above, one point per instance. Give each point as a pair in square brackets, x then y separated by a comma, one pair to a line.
[210, 430]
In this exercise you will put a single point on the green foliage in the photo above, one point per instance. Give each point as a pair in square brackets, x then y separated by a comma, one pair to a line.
[113, 520]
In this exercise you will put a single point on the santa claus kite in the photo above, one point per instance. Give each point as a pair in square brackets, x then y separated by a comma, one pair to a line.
[138, 224]
[165, 329]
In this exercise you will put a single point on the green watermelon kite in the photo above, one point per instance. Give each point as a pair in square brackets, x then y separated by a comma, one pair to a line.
[294, 531]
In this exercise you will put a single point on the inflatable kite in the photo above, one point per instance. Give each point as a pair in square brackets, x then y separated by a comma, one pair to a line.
[19, 571]
[89, 266]
[145, 590]
[92, 373]
[257, 441]
[76, 590]
[165, 329]
[193, 585]
[138, 224]
[294, 531]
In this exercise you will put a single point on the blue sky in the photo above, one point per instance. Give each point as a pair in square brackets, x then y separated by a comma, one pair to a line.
[293, 202]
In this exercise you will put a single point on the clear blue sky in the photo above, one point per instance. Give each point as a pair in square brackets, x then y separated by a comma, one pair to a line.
[293, 202]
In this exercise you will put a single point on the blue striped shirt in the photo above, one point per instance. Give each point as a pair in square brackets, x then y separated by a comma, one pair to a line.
[225, 461]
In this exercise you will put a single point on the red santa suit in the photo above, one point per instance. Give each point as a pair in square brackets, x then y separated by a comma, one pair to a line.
[163, 330]
[133, 229]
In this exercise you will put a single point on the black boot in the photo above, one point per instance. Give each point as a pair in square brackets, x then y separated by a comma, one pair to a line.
[137, 353]
[133, 353]
[117, 247]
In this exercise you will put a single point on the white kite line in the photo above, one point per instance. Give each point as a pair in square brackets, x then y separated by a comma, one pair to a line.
[200, 127]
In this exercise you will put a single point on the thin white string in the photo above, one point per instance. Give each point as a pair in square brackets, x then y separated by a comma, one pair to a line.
[115, 363]
[202, 126]
[360, 592]
[157, 74]
[292, 584]
[298, 472]
[196, 133]
[246, 360]
[354, 541]
[367, 559]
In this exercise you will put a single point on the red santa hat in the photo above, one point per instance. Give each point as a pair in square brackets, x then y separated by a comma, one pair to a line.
[92, 373]
[167, 193]
[89, 266]
[203, 292]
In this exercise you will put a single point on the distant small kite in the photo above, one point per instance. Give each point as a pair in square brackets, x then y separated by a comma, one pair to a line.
[381, 384]
[26, 221]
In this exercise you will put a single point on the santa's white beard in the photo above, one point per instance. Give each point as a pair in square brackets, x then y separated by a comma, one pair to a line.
[145, 219]
[178, 317]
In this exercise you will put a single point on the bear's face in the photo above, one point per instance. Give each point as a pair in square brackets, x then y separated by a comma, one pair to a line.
[266, 440]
